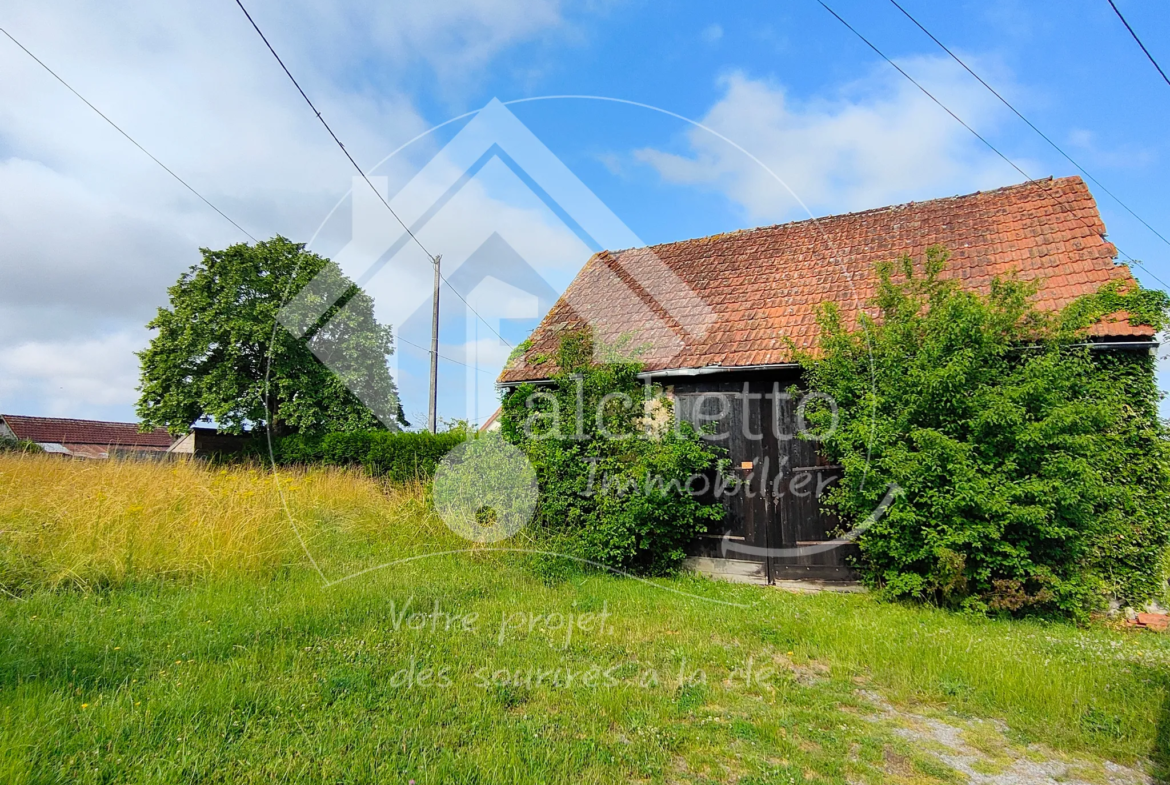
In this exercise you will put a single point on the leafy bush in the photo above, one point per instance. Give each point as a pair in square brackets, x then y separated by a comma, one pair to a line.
[9, 444]
[399, 456]
[487, 490]
[613, 483]
[1034, 472]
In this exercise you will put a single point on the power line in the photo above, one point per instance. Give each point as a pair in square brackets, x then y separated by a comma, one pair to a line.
[975, 133]
[118, 128]
[1030, 124]
[1117, 11]
[448, 359]
[360, 171]
[926, 92]
[204, 199]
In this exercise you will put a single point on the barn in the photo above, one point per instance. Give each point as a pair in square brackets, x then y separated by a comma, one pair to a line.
[721, 315]
[90, 439]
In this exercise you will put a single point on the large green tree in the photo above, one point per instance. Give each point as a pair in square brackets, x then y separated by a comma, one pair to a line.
[220, 352]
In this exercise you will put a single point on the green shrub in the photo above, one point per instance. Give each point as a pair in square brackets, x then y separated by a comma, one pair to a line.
[1034, 472]
[398, 456]
[614, 491]
[9, 444]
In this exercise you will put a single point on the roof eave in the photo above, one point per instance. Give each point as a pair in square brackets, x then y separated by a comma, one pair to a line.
[704, 370]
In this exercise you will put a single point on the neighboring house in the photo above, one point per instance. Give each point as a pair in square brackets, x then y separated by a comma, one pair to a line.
[205, 441]
[763, 287]
[492, 423]
[86, 438]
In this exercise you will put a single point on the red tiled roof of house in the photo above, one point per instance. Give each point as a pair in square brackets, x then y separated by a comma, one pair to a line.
[84, 432]
[490, 421]
[763, 286]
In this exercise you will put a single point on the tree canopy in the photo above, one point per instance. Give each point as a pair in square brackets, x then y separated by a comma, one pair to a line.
[220, 353]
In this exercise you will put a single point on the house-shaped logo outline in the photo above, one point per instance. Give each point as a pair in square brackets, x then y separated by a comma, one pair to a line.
[495, 134]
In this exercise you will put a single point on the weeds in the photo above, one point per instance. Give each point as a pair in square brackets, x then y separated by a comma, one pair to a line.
[102, 524]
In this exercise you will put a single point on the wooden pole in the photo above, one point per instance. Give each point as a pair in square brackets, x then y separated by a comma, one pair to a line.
[433, 408]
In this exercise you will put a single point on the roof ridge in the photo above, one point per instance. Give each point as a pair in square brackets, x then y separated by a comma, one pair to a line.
[67, 430]
[73, 420]
[762, 287]
[854, 214]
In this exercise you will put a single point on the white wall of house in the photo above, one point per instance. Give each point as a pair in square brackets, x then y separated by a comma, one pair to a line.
[184, 446]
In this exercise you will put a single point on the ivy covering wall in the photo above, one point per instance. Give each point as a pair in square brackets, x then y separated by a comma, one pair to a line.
[612, 481]
[1031, 472]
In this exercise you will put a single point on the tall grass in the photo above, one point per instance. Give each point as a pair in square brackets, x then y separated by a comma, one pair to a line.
[105, 523]
[262, 672]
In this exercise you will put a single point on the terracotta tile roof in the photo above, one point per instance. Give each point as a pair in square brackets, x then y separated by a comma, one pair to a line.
[490, 423]
[757, 287]
[84, 432]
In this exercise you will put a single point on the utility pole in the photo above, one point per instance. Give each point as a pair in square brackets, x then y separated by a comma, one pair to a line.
[433, 408]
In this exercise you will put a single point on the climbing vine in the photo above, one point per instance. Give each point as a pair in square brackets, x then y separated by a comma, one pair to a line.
[1033, 473]
[613, 482]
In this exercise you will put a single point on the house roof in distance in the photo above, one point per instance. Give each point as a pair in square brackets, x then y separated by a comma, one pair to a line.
[763, 286]
[84, 432]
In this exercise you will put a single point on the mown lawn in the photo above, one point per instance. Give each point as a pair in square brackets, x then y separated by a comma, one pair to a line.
[115, 671]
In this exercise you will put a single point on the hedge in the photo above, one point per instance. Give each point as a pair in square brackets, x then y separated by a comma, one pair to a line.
[614, 492]
[1030, 474]
[8, 444]
[399, 456]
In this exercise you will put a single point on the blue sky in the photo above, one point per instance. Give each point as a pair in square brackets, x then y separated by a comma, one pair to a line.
[94, 232]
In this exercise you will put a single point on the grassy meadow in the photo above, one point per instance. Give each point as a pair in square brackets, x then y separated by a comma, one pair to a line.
[178, 623]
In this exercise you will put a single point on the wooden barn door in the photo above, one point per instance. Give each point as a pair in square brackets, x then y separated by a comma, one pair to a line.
[749, 519]
[777, 518]
[803, 525]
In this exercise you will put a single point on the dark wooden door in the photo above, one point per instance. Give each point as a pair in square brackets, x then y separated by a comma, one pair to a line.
[804, 533]
[776, 512]
[737, 423]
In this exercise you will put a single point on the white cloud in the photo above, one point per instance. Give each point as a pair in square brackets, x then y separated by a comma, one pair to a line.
[712, 33]
[67, 245]
[72, 377]
[93, 231]
[879, 141]
[1116, 155]
[455, 37]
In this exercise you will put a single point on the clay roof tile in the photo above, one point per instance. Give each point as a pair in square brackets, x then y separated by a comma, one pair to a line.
[760, 285]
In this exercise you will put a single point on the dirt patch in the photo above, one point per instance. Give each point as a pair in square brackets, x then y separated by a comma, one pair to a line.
[980, 752]
[805, 674]
[897, 764]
